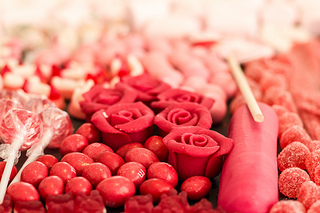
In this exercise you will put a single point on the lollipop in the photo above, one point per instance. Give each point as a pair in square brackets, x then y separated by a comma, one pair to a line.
[37, 103]
[56, 126]
[19, 129]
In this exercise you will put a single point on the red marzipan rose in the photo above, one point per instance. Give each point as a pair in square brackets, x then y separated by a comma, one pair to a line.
[124, 123]
[99, 97]
[195, 151]
[183, 114]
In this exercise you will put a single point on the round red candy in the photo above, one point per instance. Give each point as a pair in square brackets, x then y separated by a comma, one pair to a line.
[73, 143]
[78, 160]
[63, 170]
[95, 173]
[112, 160]
[22, 191]
[52, 185]
[293, 155]
[48, 160]
[287, 120]
[312, 161]
[156, 145]
[14, 170]
[122, 151]
[115, 190]
[292, 134]
[141, 155]
[291, 206]
[315, 207]
[34, 173]
[90, 132]
[308, 194]
[156, 187]
[290, 181]
[163, 171]
[197, 187]
[93, 150]
[77, 185]
[134, 171]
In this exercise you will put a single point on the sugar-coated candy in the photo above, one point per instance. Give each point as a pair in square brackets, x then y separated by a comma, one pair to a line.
[288, 206]
[204, 205]
[315, 207]
[312, 161]
[34, 206]
[294, 133]
[6, 206]
[314, 145]
[63, 203]
[92, 203]
[284, 98]
[308, 194]
[293, 155]
[279, 109]
[139, 203]
[316, 177]
[290, 181]
[172, 202]
[287, 120]
[270, 80]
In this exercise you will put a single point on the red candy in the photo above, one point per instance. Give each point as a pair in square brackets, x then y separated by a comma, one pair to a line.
[34, 173]
[95, 173]
[63, 170]
[141, 155]
[156, 145]
[197, 187]
[6, 206]
[60, 203]
[21, 191]
[78, 160]
[48, 160]
[52, 185]
[139, 203]
[34, 206]
[290, 181]
[112, 160]
[115, 190]
[77, 185]
[308, 194]
[312, 161]
[316, 178]
[73, 143]
[134, 171]
[287, 120]
[315, 207]
[93, 150]
[14, 170]
[122, 151]
[172, 201]
[90, 132]
[293, 155]
[163, 171]
[92, 203]
[290, 206]
[294, 133]
[156, 187]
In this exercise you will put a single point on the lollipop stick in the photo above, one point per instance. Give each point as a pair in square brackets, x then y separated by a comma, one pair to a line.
[14, 148]
[245, 89]
[37, 150]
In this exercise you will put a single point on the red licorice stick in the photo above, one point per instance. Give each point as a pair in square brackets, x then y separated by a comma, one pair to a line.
[249, 178]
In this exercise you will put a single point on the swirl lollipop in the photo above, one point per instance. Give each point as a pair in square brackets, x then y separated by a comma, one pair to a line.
[19, 129]
[56, 126]
[37, 103]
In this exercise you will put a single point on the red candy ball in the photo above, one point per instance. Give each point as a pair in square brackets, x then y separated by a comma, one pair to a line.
[34, 173]
[95, 173]
[312, 161]
[63, 170]
[93, 150]
[134, 171]
[122, 151]
[48, 160]
[156, 145]
[293, 155]
[315, 207]
[90, 132]
[141, 155]
[112, 160]
[22, 191]
[78, 160]
[291, 206]
[73, 143]
[77, 185]
[163, 171]
[197, 187]
[14, 170]
[308, 194]
[287, 120]
[115, 190]
[52, 185]
[292, 134]
[156, 187]
[290, 181]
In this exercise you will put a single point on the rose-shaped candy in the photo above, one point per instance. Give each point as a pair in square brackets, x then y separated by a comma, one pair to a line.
[99, 97]
[182, 114]
[195, 151]
[146, 86]
[124, 123]
[180, 96]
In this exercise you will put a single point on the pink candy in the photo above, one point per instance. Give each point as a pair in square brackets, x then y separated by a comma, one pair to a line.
[294, 133]
[313, 161]
[287, 120]
[285, 206]
[308, 194]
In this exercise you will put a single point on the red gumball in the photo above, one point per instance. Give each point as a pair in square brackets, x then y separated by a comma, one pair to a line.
[13, 172]
[90, 131]
[63, 170]
[122, 151]
[141, 155]
[163, 171]
[93, 150]
[112, 160]
[22, 191]
[197, 187]
[48, 160]
[77, 185]
[78, 160]
[134, 171]
[115, 190]
[156, 187]
[34, 173]
[73, 143]
[52, 185]
[156, 145]
[95, 173]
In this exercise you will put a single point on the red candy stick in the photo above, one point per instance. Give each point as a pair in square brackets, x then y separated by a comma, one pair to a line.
[19, 129]
[56, 126]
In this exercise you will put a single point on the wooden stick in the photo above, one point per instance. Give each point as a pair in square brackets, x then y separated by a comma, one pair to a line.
[245, 89]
